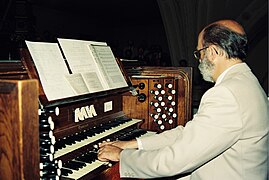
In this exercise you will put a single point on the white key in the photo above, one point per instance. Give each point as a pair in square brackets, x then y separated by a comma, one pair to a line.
[85, 170]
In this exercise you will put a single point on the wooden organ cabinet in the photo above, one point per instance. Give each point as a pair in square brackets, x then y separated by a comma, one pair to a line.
[19, 141]
[41, 139]
[163, 97]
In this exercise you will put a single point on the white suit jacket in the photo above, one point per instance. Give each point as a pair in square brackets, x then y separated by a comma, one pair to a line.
[226, 139]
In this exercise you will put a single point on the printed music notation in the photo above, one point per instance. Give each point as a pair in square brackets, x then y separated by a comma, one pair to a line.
[51, 69]
[93, 67]
[108, 66]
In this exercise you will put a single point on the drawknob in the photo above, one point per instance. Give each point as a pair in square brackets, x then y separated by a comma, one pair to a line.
[141, 97]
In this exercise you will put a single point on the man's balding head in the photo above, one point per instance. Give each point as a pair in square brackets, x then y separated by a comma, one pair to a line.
[228, 35]
[232, 25]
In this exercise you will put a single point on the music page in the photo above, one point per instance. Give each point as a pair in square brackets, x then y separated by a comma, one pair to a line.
[81, 60]
[51, 69]
[91, 83]
[108, 66]
[77, 83]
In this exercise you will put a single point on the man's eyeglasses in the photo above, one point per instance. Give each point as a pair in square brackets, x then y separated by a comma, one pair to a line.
[197, 53]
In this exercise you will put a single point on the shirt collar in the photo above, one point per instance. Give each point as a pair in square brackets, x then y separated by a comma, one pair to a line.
[220, 78]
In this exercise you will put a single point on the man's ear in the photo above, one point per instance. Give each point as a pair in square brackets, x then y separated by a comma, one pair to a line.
[214, 51]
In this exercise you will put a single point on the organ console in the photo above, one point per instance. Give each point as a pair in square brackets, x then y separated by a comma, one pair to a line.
[58, 139]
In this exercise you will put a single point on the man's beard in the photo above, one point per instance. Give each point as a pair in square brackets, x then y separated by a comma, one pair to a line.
[206, 69]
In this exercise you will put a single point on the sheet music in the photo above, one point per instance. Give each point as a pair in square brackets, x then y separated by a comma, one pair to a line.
[51, 69]
[81, 60]
[108, 66]
[91, 83]
[77, 82]
[93, 65]
[84, 82]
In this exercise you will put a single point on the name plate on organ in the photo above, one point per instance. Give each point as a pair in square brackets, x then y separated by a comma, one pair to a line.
[84, 112]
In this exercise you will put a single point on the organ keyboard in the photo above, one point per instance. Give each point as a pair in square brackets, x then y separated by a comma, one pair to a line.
[90, 136]
[82, 165]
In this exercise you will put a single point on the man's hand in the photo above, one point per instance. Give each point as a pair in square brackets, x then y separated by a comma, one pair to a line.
[109, 152]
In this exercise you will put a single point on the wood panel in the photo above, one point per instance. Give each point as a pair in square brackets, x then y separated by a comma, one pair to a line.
[12, 70]
[19, 135]
[180, 77]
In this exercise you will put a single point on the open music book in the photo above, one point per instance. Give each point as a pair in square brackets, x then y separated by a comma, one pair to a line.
[81, 67]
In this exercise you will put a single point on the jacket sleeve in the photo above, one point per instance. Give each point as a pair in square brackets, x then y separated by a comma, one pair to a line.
[161, 140]
[215, 128]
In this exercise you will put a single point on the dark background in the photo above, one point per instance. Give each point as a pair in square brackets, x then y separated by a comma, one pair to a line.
[160, 27]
